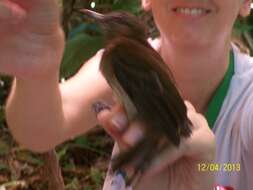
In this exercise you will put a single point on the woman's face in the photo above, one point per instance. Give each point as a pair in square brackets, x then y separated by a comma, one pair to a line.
[196, 22]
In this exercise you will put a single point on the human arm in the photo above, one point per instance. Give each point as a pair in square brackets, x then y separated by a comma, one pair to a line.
[40, 112]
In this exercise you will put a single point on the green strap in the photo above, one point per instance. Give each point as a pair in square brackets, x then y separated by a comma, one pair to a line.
[220, 94]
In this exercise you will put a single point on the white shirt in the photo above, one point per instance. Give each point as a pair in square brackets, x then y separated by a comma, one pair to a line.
[233, 128]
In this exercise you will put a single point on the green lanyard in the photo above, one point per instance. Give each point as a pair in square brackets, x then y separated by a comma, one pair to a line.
[216, 102]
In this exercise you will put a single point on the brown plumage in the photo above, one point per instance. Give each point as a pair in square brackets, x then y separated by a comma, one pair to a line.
[117, 24]
[144, 84]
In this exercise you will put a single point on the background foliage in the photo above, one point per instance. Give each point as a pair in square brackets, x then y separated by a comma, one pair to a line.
[83, 160]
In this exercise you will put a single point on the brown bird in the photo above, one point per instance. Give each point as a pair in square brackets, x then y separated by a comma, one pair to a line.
[145, 86]
[117, 24]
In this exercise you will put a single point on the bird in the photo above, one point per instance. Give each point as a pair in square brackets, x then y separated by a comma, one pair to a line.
[145, 86]
[118, 23]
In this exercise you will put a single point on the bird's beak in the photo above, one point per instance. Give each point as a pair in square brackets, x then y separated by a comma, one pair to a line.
[92, 14]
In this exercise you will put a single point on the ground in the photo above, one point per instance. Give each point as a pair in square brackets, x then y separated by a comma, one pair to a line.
[83, 162]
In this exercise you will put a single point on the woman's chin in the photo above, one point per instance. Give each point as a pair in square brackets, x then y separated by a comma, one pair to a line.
[190, 43]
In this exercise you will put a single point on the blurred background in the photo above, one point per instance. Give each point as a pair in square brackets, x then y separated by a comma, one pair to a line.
[79, 164]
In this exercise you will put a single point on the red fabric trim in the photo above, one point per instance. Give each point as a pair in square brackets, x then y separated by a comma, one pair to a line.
[218, 187]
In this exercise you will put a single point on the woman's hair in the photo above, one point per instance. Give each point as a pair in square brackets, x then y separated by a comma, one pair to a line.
[241, 36]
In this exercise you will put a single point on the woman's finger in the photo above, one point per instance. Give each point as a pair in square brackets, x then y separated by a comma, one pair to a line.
[201, 144]
[167, 157]
[114, 121]
[133, 134]
[11, 12]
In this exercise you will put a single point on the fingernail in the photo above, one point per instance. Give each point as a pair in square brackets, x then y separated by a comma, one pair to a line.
[120, 121]
[133, 136]
[99, 106]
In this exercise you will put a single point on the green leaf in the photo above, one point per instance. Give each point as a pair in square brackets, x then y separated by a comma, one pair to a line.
[73, 185]
[4, 166]
[82, 142]
[4, 148]
[127, 5]
[69, 166]
[78, 50]
[85, 143]
[62, 151]
[29, 158]
[97, 176]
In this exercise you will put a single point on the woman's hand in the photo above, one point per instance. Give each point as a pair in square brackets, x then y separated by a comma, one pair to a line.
[176, 168]
[32, 40]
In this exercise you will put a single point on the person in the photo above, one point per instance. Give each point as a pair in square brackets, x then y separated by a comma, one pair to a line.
[195, 44]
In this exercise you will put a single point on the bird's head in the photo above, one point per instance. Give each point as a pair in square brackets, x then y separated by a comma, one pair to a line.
[118, 24]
